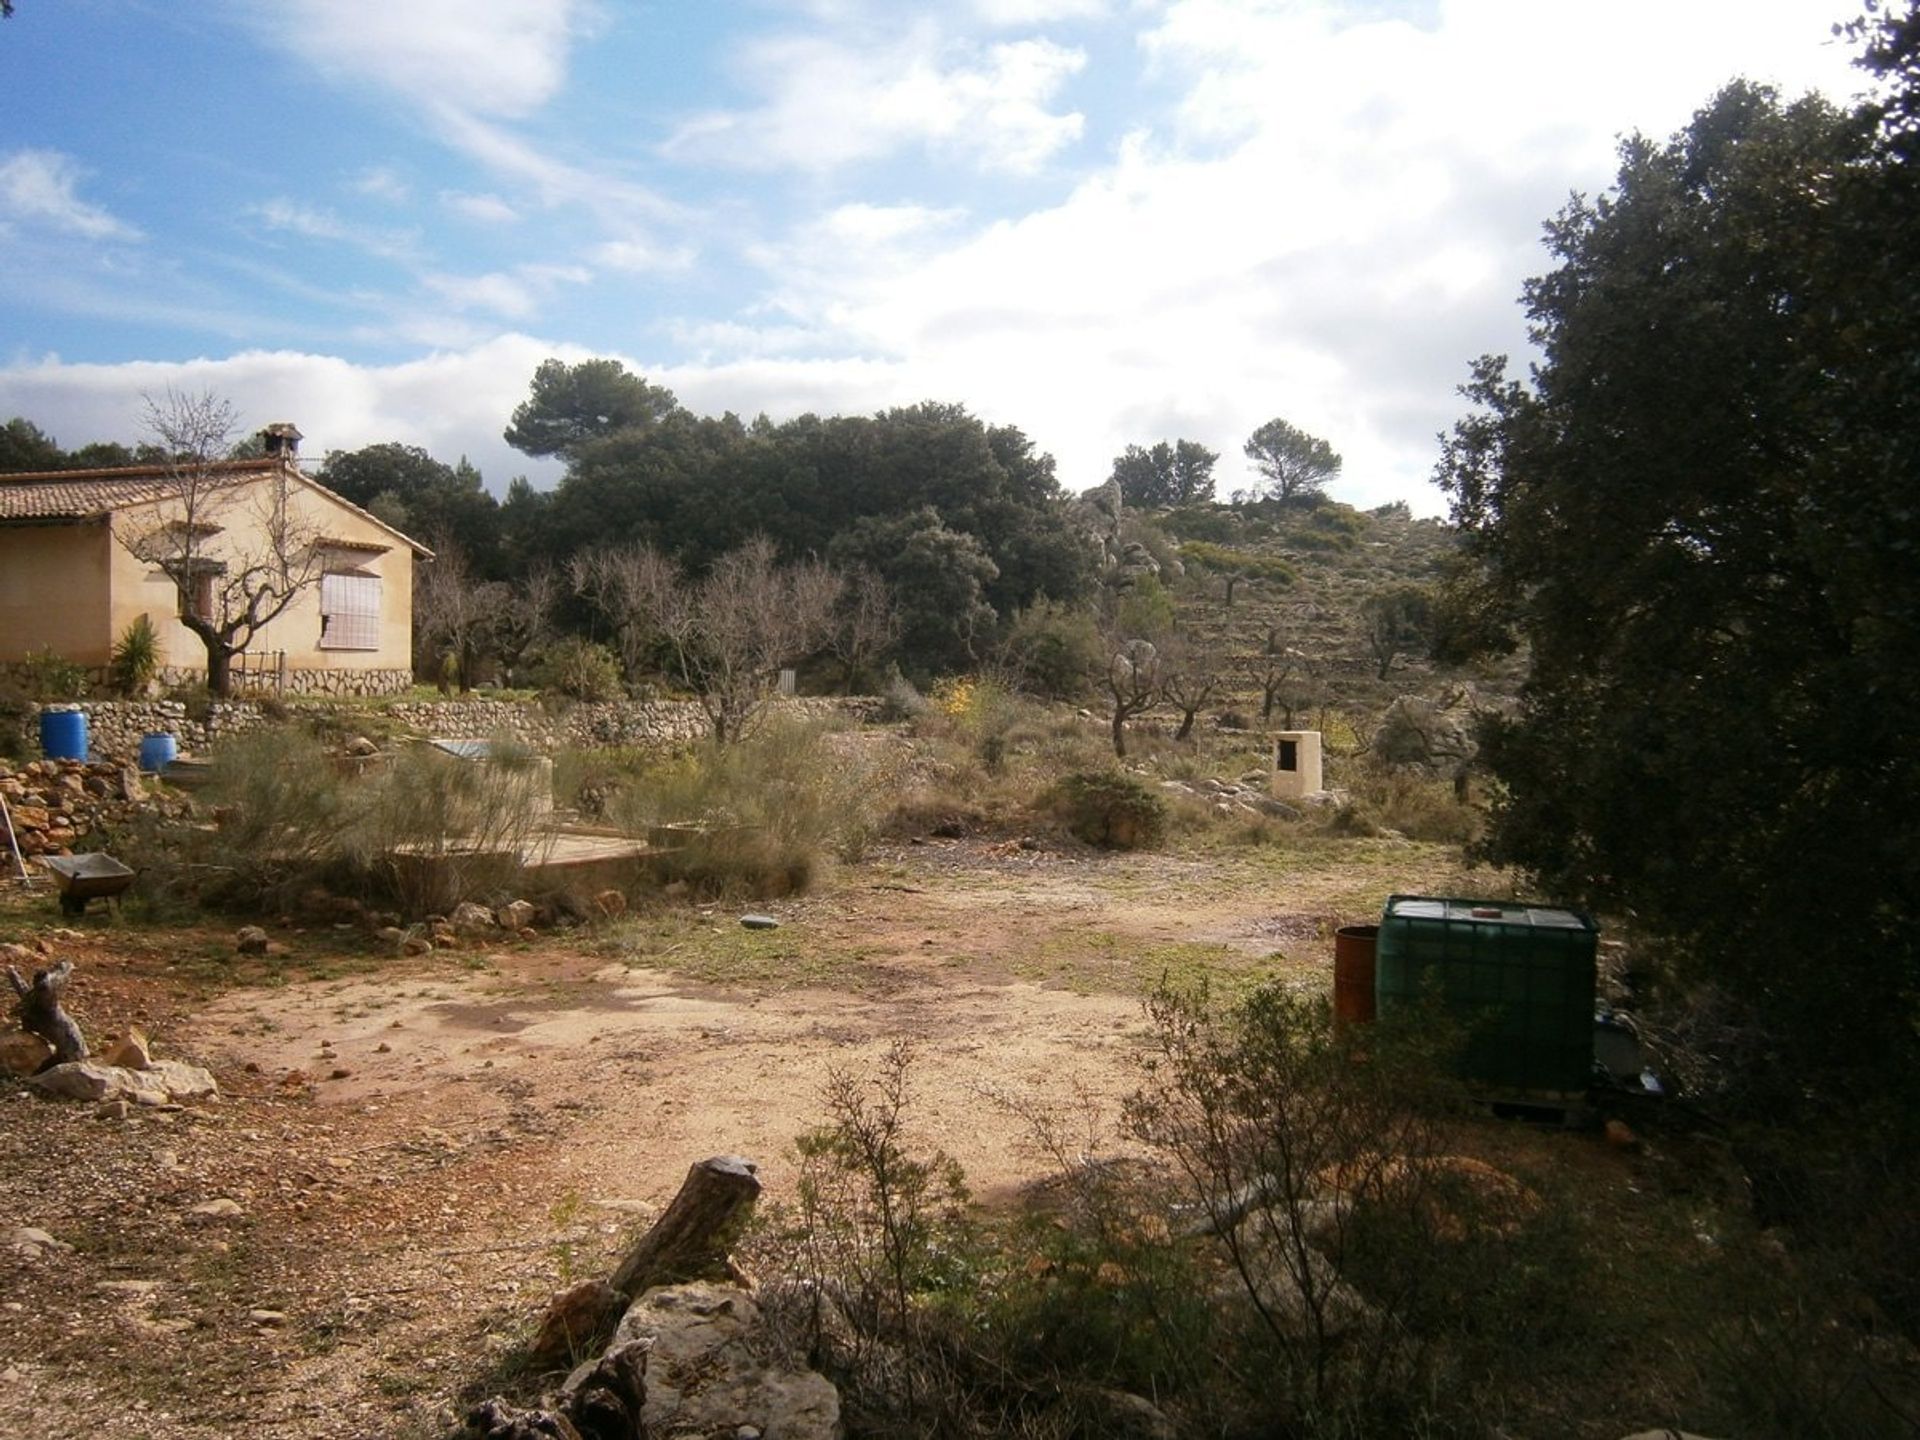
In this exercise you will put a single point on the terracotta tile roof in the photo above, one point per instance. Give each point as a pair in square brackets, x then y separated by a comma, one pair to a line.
[70, 495]
[91, 494]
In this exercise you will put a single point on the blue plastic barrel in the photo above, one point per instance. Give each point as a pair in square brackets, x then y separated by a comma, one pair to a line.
[63, 734]
[158, 750]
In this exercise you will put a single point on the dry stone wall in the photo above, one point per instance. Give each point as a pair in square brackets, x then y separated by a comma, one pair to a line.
[116, 727]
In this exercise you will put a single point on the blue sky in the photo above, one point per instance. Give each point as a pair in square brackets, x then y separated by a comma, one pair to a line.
[1106, 221]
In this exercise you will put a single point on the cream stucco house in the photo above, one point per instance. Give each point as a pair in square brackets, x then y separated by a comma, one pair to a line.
[84, 553]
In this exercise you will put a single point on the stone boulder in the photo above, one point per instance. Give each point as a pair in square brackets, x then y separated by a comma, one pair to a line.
[471, 919]
[163, 1082]
[709, 1374]
[516, 915]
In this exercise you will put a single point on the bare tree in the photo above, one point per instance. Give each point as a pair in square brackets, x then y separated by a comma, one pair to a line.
[523, 622]
[869, 623]
[1272, 670]
[631, 586]
[236, 550]
[731, 632]
[452, 613]
[1133, 684]
[1189, 677]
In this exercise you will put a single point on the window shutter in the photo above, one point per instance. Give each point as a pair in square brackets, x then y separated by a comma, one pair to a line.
[350, 612]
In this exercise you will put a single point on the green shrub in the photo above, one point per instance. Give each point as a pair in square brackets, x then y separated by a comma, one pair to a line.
[1053, 649]
[757, 817]
[280, 813]
[136, 658]
[50, 677]
[425, 828]
[580, 670]
[1111, 809]
[433, 829]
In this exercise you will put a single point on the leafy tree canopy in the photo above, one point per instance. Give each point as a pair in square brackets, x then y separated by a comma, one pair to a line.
[1700, 515]
[1293, 463]
[440, 505]
[572, 405]
[1176, 474]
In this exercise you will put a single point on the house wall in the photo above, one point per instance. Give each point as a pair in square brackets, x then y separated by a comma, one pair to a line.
[53, 592]
[140, 588]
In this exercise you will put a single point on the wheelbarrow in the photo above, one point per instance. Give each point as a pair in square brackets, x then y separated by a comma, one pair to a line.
[80, 878]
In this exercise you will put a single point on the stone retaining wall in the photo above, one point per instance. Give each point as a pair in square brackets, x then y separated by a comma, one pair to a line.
[298, 682]
[115, 727]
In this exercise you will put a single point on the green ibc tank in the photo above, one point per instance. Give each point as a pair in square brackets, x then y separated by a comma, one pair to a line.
[1519, 979]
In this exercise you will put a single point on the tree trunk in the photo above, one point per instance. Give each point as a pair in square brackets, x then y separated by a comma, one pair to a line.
[40, 1012]
[689, 1242]
[1186, 724]
[219, 671]
[1120, 733]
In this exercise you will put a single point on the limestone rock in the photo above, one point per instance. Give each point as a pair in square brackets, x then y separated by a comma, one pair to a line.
[361, 747]
[469, 918]
[32, 1244]
[22, 1054]
[163, 1082]
[416, 945]
[576, 1320]
[130, 1052]
[704, 1376]
[611, 903]
[516, 915]
[209, 1211]
[250, 940]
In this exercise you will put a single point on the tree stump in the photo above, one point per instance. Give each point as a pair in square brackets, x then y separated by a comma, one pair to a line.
[40, 1012]
[689, 1242]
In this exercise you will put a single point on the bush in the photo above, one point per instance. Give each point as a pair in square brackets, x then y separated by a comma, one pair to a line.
[280, 814]
[51, 678]
[433, 829]
[428, 829]
[1054, 650]
[1111, 809]
[580, 670]
[756, 818]
[136, 658]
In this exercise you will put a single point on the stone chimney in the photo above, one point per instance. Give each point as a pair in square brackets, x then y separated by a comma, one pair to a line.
[282, 440]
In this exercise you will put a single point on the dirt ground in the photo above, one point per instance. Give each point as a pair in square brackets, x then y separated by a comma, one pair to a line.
[421, 1151]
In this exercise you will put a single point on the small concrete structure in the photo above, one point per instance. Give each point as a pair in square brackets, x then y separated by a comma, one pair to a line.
[1296, 764]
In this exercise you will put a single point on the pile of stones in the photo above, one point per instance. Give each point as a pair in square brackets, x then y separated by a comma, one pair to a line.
[56, 804]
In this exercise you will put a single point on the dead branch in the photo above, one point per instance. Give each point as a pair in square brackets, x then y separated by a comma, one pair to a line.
[41, 1014]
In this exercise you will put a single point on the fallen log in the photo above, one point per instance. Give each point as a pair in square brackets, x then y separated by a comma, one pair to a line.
[41, 1014]
[605, 1404]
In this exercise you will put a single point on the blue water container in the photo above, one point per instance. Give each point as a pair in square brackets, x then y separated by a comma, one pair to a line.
[63, 733]
[158, 749]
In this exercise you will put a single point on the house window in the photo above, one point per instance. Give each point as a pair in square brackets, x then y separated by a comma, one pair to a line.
[349, 612]
[197, 598]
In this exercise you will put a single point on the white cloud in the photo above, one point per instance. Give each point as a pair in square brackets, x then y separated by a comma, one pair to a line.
[1332, 223]
[500, 59]
[483, 209]
[40, 187]
[320, 224]
[1012, 13]
[381, 182]
[449, 403]
[831, 102]
[641, 257]
[515, 295]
